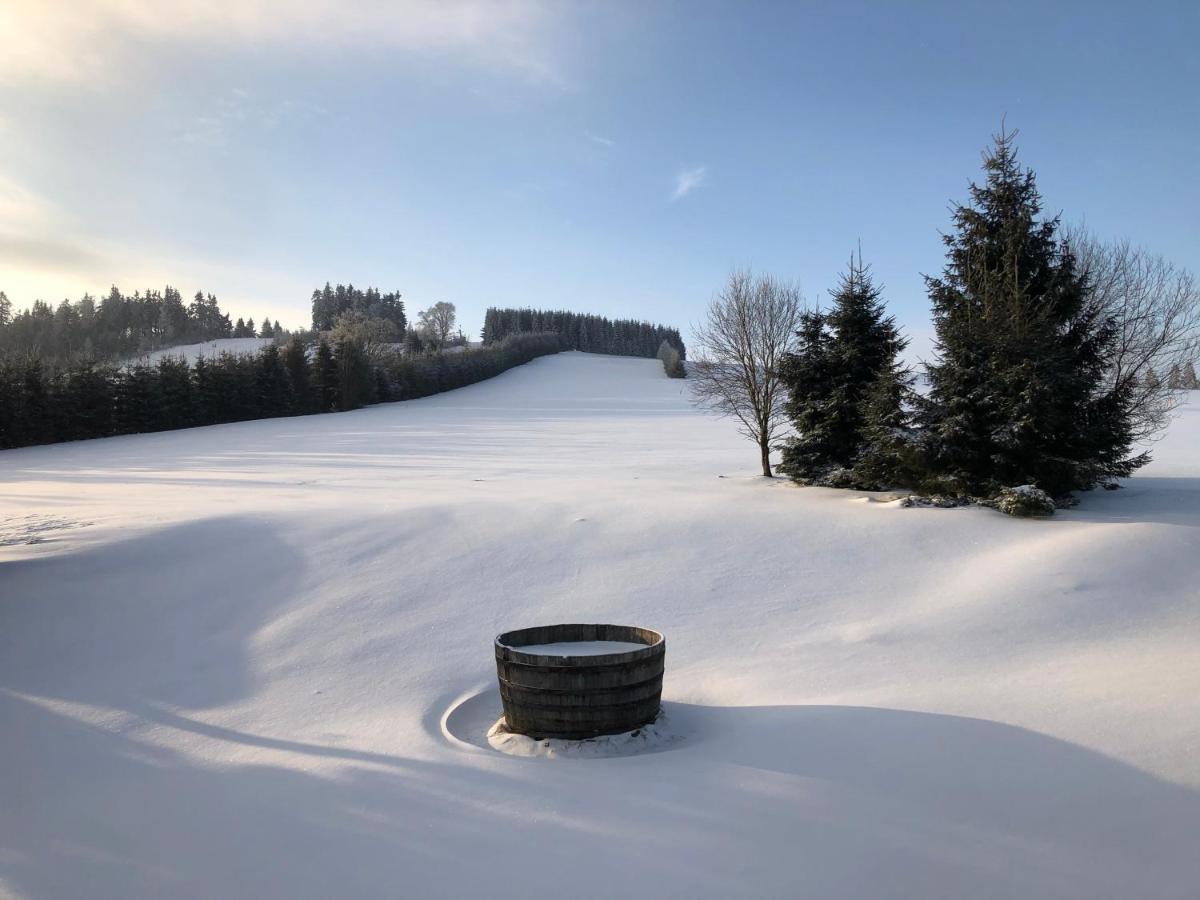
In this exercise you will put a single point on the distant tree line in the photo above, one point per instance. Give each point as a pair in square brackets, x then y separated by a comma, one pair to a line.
[591, 334]
[116, 326]
[43, 403]
[329, 303]
[73, 372]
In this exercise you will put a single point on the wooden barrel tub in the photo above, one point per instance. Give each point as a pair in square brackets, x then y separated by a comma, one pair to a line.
[561, 696]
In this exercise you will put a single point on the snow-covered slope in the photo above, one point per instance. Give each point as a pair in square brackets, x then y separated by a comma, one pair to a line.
[209, 349]
[254, 660]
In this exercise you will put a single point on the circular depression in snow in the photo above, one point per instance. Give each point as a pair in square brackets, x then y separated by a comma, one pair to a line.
[477, 720]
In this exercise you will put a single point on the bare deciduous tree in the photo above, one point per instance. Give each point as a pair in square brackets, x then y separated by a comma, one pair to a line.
[749, 327]
[437, 322]
[1156, 306]
[376, 336]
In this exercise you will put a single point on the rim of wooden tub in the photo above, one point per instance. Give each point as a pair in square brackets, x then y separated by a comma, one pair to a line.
[508, 643]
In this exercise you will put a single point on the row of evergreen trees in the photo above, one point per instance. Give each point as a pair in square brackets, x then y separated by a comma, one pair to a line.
[591, 334]
[116, 326]
[42, 403]
[245, 328]
[329, 303]
[1017, 394]
[1179, 378]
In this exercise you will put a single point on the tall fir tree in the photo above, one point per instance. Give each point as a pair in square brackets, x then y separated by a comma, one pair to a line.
[356, 384]
[1190, 380]
[831, 381]
[273, 386]
[325, 378]
[295, 360]
[1015, 392]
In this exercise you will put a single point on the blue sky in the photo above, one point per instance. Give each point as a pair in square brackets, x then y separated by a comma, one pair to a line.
[615, 158]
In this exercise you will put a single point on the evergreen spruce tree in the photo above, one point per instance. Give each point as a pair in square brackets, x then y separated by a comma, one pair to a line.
[35, 417]
[889, 454]
[267, 330]
[295, 360]
[95, 391]
[831, 381]
[325, 378]
[137, 401]
[355, 383]
[1015, 393]
[202, 392]
[176, 394]
[273, 383]
[808, 376]
[1190, 381]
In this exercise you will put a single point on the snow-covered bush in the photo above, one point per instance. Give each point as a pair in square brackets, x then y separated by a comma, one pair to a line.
[671, 360]
[1025, 501]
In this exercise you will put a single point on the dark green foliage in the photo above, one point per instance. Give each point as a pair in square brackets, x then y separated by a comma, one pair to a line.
[273, 384]
[1015, 394]
[138, 402]
[1024, 501]
[329, 303]
[35, 420]
[295, 360]
[591, 334]
[808, 375]
[87, 403]
[835, 392]
[118, 327]
[176, 395]
[889, 454]
[421, 376]
[356, 383]
[325, 379]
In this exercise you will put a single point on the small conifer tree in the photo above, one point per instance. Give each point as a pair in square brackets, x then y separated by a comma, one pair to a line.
[832, 381]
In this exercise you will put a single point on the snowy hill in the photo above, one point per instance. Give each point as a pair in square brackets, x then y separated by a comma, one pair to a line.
[253, 660]
[209, 349]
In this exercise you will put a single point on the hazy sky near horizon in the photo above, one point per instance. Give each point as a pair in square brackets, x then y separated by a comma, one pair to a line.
[616, 158]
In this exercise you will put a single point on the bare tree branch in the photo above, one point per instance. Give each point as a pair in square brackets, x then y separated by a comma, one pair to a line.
[1156, 306]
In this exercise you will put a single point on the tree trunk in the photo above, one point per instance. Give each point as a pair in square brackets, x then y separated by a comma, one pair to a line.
[766, 458]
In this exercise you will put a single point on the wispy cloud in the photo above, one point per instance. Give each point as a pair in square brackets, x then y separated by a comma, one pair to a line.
[688, 180]
[90, 41]
[602, 141]
[239, 109]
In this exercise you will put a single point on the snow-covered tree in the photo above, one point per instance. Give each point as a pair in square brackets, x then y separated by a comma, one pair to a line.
[841, 355]
[1017, 389]
[1190, 381]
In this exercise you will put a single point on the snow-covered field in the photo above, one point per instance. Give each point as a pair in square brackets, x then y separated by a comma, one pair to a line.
[189, 353]
[255, 660]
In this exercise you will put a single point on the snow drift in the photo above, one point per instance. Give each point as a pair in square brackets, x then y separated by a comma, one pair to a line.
[229, 659]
